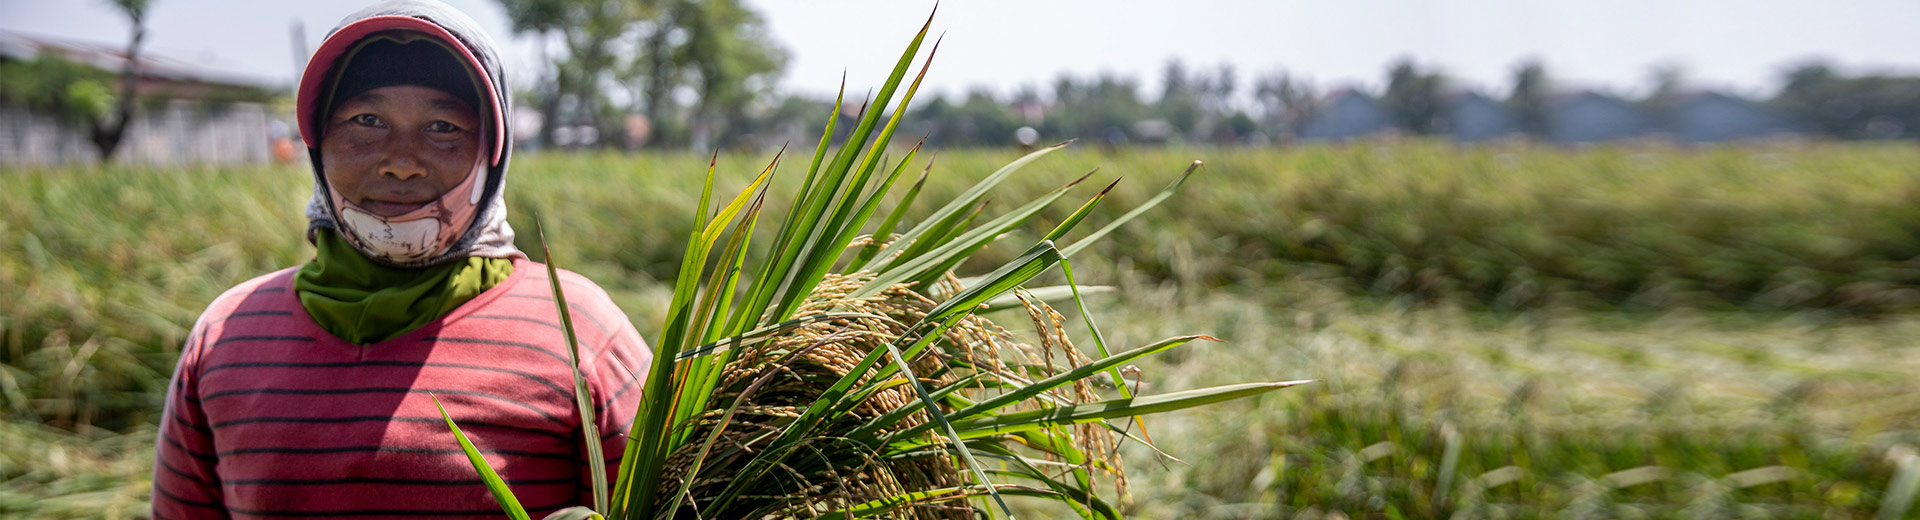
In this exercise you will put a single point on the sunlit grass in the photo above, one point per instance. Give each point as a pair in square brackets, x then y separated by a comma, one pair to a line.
[1683, 416]
[1707, 311]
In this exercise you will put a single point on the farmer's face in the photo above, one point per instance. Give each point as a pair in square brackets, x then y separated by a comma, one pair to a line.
[395, 149]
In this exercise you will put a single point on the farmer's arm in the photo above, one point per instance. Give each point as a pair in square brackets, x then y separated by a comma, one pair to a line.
[184, 483]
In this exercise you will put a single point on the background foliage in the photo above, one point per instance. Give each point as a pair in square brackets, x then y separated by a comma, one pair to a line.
[1737, 319]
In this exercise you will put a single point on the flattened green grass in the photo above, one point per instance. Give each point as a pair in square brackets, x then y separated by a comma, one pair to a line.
[1685, 416]
[1710, 312]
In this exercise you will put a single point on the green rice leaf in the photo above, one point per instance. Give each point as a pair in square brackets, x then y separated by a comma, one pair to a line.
[848, 227]
[703, 374]
[660, 407]
[1080, 214]
[760, 293]
[933, 411]
[1080, 497]
[966, 199]
[893, 417]
[895, 502]
[1076, 374]
[816, 250]
[769, 333]
[1142, 208]
[495, 484]
[1028, 265]
[1027, 420]
[589, 424]
[885, 230]
[574, 513]
[1050, 294]
[1099, 340]
[941, 233]
[948, 255]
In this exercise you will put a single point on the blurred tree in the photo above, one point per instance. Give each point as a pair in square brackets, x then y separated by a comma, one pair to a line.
[1094, 107]
[731, 59]
[107, 132]
[654, 72]
[1667, 82]
[1235, 128]
[588, 31]
[1286, 102]
[1811, 94]
[632, 56]
[1179, 101]
[1195, 102]
[1528, 101]
[72, 92]
[981, 120]
[1862, 107]
[1216, 105]
[1413, 98]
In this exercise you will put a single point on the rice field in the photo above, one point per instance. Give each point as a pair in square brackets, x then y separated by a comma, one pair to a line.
[1502, 332]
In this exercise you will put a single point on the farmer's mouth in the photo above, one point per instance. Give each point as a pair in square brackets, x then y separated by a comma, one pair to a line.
[392, 209]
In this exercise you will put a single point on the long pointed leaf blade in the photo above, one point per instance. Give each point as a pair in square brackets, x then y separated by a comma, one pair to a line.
[959, 448]
[885, 230]
[893, 417]
[818, 266]
[829, 240]
[941, 258]
[589, 423]
[1076, 374]
[1100, 344]
[968, 198]
[495, 484]
[881, 506]
[1028, 265]
[574, 513]
[1080, 214]
[652, 424]
[1052, 294]
[1080, 498]
[762, 289]
[811, 219]
[1137, 210]
[1114, 408]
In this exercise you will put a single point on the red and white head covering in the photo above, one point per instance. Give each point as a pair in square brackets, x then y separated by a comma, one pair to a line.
[368, 50]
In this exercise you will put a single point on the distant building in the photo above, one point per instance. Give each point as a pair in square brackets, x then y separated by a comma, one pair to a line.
[1590, 117]
[1473, 117]
[1346, 114]
[186, 115]
[1152, 131]
[1709, 117]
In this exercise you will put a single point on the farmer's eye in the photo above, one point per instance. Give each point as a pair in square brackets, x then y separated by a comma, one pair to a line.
[367, 120]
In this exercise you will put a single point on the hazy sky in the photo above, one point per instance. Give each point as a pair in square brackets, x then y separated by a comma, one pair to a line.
[1738, 45]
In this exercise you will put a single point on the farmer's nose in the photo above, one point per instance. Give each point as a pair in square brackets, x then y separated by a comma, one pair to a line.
[404, 163]
[403, 170]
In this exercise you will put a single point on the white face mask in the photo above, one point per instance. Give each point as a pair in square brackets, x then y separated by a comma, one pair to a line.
[415, 236]
[398, 241]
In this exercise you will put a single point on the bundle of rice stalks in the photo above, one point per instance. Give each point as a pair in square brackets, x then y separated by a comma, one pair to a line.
[832, 386]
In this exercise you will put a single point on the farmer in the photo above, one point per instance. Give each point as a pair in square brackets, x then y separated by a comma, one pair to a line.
[307, 391]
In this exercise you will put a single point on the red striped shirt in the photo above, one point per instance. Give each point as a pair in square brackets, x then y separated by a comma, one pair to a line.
[270, 416]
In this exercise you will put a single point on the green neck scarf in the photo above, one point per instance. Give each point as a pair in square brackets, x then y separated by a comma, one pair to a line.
[365, 303]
